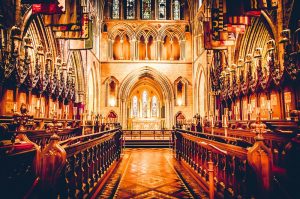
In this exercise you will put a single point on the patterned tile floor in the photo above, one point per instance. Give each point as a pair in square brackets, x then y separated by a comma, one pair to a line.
[147, 173]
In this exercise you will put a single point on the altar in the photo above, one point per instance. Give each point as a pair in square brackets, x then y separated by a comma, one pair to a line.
[146, 123]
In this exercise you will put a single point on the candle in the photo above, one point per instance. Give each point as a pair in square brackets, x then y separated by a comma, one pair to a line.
[269, 105]
[225, 111]
[74, 110]
[15, 107]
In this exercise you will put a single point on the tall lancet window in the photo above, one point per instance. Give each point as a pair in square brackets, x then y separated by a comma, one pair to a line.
[146, 9]
[176, 10]
[135, 106]
[154, 106]
[144, 102]
[130, 9]
[116, 9]
[162, 13]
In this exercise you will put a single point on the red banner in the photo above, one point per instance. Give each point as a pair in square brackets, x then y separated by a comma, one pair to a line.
[47, 8]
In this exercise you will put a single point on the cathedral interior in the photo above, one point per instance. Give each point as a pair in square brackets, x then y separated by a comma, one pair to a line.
[149, 99]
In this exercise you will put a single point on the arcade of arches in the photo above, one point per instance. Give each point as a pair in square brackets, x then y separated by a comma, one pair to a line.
[176, 70]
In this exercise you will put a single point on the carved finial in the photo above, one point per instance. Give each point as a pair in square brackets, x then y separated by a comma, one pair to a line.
[248, 58]
[258, 53]
[40, 49]
[271, 44]
[28, 41]
[48, 55]
[16, 33]
[286, 35]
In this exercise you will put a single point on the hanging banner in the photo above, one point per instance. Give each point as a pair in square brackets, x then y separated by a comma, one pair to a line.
[83, 44]
[237, 29]
[226, 39]
[217, 19]
[82, 34]
[239, 20]
[72, 15]
[49, 8]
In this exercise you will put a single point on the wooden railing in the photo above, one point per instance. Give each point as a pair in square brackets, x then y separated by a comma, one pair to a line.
[224, 169]
[76, 167]
[147, 134]
[275, 141]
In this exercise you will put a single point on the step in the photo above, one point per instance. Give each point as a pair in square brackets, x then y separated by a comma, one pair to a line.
[147, 144]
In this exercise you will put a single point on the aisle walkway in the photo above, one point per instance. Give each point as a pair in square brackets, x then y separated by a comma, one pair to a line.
[148, 173]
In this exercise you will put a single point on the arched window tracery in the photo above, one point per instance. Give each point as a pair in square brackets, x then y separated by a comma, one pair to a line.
[130, 9]
[176, 10]
[154, 107]
[134, 106]
[144, 103]
[146, 9]
[116, 9]
[162, 12]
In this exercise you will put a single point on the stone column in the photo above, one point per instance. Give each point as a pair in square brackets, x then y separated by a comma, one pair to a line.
[122, 43]
[155, 51]
[138, 10]
[182, 49]
[137, 50]
[171, 56]
[121, 10]
[109, 5]
[171, 9]
[110, 49]
[146, 43]
[158, 50]
[132, 49]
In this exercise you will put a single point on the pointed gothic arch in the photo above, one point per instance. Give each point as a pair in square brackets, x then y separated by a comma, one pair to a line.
[132, 78]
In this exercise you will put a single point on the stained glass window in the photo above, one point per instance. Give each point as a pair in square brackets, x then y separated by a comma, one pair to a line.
[146, 9]
[176, 10]
[154, 106]
[144, 101]
[130, 11]
[116, 9]
[135, 106]
[162, 9]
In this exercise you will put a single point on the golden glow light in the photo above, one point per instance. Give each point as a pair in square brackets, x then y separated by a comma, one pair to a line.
[112, 102]
[179, 102]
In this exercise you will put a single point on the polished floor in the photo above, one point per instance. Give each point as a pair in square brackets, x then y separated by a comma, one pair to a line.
[149, 173]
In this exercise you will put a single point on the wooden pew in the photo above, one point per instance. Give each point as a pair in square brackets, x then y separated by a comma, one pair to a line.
[226, 170]
[275, 141]
[80, 166]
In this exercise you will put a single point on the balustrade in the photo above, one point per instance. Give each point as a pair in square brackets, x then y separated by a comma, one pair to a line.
[226, 170]
[88, 159]
[276, 141]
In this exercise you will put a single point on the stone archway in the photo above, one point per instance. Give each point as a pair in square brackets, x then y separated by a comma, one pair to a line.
[160, 80]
